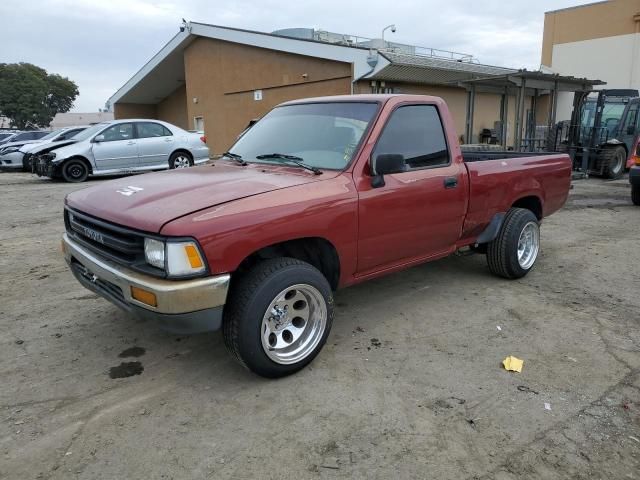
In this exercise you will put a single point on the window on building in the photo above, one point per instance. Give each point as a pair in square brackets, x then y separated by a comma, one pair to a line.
[198, 124]
[416, 132]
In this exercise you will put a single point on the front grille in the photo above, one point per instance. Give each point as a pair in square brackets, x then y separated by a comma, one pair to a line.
[119, 244]
[108, 289]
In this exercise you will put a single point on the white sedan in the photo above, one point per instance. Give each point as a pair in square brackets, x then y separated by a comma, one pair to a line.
[124, 146]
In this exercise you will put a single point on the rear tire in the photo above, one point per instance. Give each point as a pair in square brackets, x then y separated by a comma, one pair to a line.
[278, 317]
[75, 171]
[635, 194]
[614, 160]
[515, 250]
[180, 160]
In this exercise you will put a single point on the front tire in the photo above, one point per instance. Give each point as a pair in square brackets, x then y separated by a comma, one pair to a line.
[614, 161]
[180, 160]
[635, 194]
[75, 171]
[514, 251]
[279, 317]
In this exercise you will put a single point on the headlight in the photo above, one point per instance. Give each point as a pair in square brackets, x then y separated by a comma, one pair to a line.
[179, 258]
[154, 252]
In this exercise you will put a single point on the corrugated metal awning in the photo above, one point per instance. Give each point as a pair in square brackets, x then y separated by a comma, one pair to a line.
[433, 70]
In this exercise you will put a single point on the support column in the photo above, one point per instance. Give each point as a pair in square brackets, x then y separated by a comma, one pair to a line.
[471, 102]
[532, 123]
[504, 117]
[517, 135]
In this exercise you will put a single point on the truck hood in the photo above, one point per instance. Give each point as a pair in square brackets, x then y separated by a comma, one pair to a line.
[147, 202]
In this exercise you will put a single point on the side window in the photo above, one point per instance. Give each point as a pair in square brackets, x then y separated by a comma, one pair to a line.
[416, 132]
[119, 131]
[152, 129]
[631, 119]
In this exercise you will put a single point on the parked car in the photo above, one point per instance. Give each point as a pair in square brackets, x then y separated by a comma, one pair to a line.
[5, 136]
[123, 146]
[319, 194]
[20, 157]
[22, 138]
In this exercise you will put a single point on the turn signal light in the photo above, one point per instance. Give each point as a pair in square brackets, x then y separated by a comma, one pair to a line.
[194, 257]
[143, 296]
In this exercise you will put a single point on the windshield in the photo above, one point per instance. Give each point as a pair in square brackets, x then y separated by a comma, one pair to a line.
[324, 135]
[51, 135]
[611, 113]
[89, 132]
[5, 135]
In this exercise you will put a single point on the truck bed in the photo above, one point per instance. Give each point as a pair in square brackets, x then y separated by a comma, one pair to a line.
[479, 156]
[498, 179]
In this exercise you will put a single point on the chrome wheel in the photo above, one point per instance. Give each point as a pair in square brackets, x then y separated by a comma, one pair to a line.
[293, 324]
[181, 161]
[528, 245]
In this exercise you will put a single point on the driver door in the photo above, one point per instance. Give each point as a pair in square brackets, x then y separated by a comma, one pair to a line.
[417, 213]
[118, 150]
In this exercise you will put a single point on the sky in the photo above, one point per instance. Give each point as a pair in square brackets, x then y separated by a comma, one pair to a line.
[101, 44]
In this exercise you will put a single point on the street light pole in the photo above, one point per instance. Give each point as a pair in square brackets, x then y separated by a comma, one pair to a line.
[393, 30]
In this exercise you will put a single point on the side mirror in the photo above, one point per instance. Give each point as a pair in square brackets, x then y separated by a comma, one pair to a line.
[98, 138]
[385, 164]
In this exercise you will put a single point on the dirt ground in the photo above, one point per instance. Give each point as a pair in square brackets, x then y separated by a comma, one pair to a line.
[410, 384]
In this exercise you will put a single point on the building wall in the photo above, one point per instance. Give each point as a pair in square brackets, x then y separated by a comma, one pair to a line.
[72, 119]
[588, 22]
[173, 109]
[222, 77]
[133, 110]
[598, 41]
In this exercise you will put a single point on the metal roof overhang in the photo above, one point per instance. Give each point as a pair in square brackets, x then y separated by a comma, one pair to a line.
[161, 75]
[433, 70]
[532, 81]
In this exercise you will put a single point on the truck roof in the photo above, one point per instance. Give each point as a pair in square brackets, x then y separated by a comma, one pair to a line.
[370, 97]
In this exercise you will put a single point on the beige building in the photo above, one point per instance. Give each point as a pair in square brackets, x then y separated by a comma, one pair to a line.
[71, 119]
[217, 79]
[599, 40]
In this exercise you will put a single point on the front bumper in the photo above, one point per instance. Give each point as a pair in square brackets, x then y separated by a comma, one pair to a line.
[11, 160]
[182, 306]
[634, 175]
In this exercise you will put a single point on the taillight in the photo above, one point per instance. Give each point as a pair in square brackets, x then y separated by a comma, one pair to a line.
[203, 138]
[634, 158]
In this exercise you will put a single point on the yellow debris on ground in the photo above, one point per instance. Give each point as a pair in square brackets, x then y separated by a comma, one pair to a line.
[513, 364]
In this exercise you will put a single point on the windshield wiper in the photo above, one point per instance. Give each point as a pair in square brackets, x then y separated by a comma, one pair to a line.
[236, 157]
[290, 158]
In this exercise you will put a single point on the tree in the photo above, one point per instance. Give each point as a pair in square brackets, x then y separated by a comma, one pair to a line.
[31, 97]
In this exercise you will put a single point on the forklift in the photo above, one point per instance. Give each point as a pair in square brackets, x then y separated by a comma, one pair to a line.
[600, 135]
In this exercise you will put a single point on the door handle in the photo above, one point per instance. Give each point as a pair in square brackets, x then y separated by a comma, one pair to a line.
[450, 182]
[131, 142]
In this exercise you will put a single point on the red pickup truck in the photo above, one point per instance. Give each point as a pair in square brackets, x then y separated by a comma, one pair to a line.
[319, 194]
